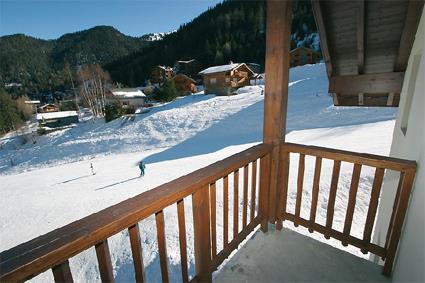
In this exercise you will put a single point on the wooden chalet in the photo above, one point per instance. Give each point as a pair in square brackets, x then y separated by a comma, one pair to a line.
[46, 108]
[302, 55]
[160, 73]
[130, 98]
[225, 79]
[184, 84]
[393, 230]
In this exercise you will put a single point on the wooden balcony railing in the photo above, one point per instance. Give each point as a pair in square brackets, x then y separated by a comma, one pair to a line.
[52, 250]
[407, 171]
[248, 175]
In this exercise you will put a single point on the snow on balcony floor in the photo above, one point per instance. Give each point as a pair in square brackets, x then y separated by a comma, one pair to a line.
[287, 256]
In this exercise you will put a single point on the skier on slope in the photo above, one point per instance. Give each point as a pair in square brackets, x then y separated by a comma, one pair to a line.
[142, 168]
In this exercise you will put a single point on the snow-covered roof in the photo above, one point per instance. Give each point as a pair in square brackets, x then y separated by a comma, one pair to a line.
[32, 101]
[55, 115]
[219, 69]
[129, 94]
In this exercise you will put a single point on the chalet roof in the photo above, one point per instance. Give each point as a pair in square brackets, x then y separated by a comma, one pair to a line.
[366, 48]
[56, 115]
[48, 105]
[186, 61]
[223, 68]
[128, 93]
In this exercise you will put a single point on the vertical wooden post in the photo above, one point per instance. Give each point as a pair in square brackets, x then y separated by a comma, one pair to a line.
[62, 273]
[279, 18]
[400, 212]
[136, 250]
[104, 260]
[201, 223]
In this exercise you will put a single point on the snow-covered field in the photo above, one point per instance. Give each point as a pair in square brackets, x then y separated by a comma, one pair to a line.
[48, 184]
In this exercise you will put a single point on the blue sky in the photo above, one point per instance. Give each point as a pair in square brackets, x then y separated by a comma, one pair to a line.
[49, 19]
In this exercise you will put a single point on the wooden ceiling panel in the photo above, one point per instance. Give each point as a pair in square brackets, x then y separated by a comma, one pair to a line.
[366, 37]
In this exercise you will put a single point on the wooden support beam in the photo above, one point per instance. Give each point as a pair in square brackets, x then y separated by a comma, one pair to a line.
[62, 273]
[202, 241]
[370, 83]
[320, 23]
[279, 18]
[413, 15]
[360, 36]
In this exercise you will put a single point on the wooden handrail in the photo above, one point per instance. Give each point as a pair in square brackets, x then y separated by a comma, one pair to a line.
[350, 156]
[40, 254]
[407, 171]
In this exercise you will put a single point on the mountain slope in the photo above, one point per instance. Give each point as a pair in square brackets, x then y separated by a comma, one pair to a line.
[39, 64]
[232, 30]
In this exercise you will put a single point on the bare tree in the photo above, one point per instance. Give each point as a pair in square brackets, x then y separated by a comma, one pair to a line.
[93, 82]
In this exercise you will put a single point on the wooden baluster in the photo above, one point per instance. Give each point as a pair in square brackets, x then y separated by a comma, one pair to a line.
[245, 197]
[397, 196]
[253, 189]
[373, 205]
[213, 219]
[182, 240]
[226, 211]
[332, 196]
[315, 192]
[283, 184]
[351, 202]
[263, 200]
[300, 183]
[201, 225]
[162, 245]
[400, 213]
[235, 204]
[136, 250]
[104, 260]
[62, 273]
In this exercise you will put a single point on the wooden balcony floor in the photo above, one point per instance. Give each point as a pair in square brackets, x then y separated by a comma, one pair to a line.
[287, 256]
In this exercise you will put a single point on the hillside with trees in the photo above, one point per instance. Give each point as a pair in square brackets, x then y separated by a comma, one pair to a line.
[232, 30]
[44, 65]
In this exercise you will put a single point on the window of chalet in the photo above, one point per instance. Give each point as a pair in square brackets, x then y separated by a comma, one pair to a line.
[213, 80]
[410, 92]
[227, 79]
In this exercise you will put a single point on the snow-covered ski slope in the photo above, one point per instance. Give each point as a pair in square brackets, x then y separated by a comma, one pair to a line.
[51, 183]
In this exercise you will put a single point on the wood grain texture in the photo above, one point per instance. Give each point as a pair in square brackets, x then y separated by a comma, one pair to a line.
[182, 240]
[136, 251]
[352, 157]
[245, 196]
[351, 201]
[235, 203]
[62, 273]
[162, 245]
[264, 191]
[315, 191]
[367, 83]
[332, 195]
[300, 184]
[201, 226]
[226, 211]
[253, 189]
[104, 261]
[373, 205]
[400, 214]
[213, 201]
[283, 185]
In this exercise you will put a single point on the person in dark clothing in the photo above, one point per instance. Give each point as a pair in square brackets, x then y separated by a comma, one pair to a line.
[142, 168]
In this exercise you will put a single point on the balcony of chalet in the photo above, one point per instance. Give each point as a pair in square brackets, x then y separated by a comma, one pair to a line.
[254, 242]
